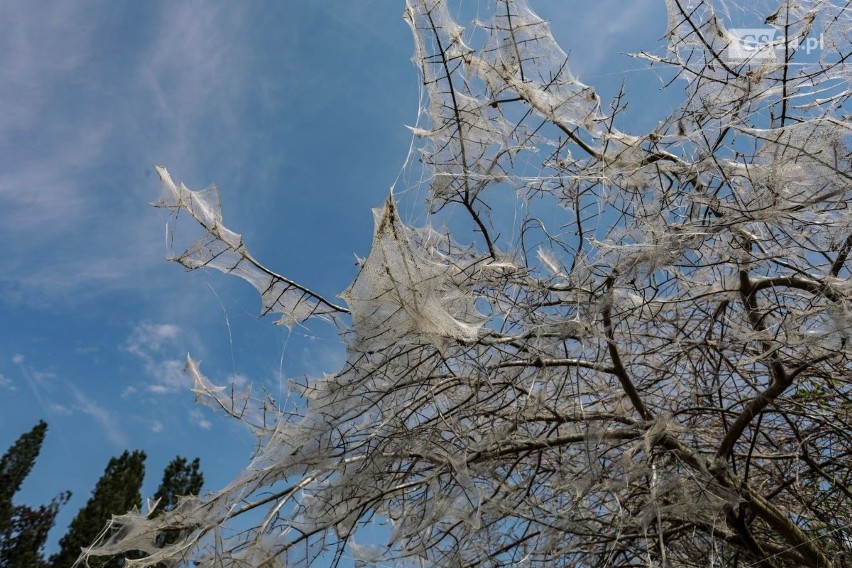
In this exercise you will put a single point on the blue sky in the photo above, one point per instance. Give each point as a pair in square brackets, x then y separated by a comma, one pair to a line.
[296, 110]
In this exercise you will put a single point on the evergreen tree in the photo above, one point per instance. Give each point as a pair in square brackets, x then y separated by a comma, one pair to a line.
[23, 530]
[15, 465]
[117, 491]
[22, 543]
[180, 478]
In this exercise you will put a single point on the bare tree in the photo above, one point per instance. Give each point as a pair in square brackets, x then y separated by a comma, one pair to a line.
[656, 372]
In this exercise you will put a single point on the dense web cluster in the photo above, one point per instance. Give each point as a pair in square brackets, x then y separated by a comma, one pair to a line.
[656, 373]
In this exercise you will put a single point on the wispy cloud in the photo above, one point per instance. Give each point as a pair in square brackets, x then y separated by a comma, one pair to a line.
[42, 376]
[44, 190]
[598, 34]
[108, 422]
[193, 74]
[238, 380]
[40, 49]
[49, 389]
[61, 409]
[7, 383]
[147, 337]
[155, 345]
[79, 114]
[34, 380]
[199, 419]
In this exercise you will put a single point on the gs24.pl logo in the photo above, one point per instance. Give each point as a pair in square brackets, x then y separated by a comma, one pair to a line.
[762, 44]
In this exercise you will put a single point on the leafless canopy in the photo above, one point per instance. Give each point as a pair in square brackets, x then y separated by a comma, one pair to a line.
[648, 365]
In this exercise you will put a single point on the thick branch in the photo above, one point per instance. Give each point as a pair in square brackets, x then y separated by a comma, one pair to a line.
[620, 371]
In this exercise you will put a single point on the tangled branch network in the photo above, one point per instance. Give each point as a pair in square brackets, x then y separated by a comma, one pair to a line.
[655, 373]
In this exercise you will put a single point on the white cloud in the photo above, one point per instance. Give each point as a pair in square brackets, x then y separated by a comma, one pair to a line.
[57, 408]
[40, 48]
[190, 57]
[101, 415]
[17, 358]
[156, 426]
[170, 375]
[596, 34]
[42, 376]
[156, 345]
[199, 419]
[43, 193]
[157, 389]
[148, 337]
[6, 383]
[81, 108]
[237, 379]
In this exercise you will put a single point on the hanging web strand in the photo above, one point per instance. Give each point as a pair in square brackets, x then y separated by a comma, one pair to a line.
[223, 249]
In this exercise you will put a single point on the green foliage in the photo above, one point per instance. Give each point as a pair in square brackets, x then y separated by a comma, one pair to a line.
[179, 478]
[21, 544]
[117, 491]
[15, 465]
[23, 529]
